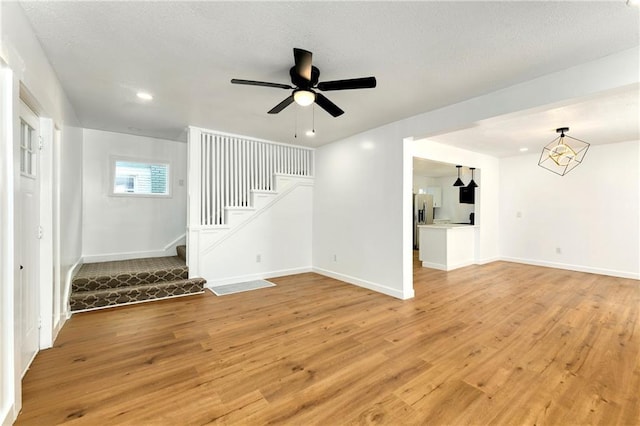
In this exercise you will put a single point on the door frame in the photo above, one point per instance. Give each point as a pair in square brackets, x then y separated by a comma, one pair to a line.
[26, 228]
[8, 366]
[48, 163]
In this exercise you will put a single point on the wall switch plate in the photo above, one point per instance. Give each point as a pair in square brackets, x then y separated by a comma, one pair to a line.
[258, 258]
[335, 258]
[558, 250]
[518, 215]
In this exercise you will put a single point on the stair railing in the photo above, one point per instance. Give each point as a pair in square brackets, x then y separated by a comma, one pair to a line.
[224, 169]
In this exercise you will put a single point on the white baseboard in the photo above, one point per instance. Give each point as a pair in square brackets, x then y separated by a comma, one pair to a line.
[168, 250]
[366, 284]
[577, 268]
[9, 416]
[443, 267]
[66, 314]
[212, 282]
[487, 260]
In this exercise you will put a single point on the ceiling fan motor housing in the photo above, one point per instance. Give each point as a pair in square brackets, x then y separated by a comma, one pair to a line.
[304, 77]
[301, 82]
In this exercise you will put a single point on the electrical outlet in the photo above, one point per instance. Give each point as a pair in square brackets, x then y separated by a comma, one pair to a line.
[558, 250]
[258, 258]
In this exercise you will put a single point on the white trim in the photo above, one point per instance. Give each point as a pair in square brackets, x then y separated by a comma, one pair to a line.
[233, 230]
[46, 264]
[366, 284]
[407, 215]
[58, 292]
[575, 268]
[8, 367]
[113, 159]
[233, 135]
[180, 240]
[65, 314]
[108, 257]
[168, 250]
[258, 276]
[443, 267]
[487, 260]
[9, 417]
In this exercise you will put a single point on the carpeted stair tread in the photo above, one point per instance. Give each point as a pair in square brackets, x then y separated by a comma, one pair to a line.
[182, 252]
[124, 273]
[94, 299]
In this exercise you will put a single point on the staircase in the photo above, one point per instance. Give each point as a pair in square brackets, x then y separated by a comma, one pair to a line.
[108, 284]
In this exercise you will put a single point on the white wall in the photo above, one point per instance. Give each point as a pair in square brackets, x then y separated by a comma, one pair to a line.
[280, 234]
[358, 211]
[362, 198]
[592, 214]
[22, 53]
[129, 227]
[70, 218]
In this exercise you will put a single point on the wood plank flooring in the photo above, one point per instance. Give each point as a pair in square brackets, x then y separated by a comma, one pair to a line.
[496, 344]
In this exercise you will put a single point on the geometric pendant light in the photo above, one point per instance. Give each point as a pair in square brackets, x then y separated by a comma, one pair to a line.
[458, 182]
[563, 154]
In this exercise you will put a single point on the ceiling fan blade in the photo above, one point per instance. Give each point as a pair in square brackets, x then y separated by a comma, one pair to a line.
[303, 63]
[328, 106]
[282, 105]
[260, 83]
[353, 83]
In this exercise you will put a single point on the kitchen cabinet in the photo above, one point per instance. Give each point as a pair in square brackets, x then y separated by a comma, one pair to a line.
[448, 246]
[436, 193]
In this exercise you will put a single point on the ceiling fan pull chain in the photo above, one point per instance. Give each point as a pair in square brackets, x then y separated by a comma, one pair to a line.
[295, 130]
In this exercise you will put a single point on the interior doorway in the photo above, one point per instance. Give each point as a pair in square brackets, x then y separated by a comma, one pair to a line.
[28, 234]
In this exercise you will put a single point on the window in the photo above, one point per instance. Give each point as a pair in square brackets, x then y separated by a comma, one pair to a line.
[27, 150]
[140, 178]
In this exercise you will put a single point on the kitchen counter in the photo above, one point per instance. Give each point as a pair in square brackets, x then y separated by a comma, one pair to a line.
[447, 246]
[448, 225]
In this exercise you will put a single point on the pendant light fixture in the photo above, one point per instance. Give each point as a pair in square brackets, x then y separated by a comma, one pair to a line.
[563, 154]
[458, 181]
[473, 183]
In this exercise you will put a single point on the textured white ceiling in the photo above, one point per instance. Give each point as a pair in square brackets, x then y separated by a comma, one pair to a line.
[425, 55]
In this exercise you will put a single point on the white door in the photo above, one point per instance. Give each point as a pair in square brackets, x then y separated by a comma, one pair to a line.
[28, 222]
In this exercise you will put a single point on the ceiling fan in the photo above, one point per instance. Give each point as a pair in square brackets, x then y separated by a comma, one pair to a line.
[304, 78]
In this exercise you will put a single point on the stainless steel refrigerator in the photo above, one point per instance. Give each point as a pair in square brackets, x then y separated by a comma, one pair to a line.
[422, 214]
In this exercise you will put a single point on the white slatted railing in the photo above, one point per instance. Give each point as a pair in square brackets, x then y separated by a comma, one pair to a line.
[231, 167]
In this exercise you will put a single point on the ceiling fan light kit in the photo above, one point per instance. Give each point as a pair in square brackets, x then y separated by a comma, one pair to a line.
[304, 97]
[563, 154]
[304, 77]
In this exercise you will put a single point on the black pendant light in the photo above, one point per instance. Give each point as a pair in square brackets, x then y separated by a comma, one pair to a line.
[473, 183]
[458, 182]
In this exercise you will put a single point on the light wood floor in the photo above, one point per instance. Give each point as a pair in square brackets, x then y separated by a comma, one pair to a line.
[496, 344]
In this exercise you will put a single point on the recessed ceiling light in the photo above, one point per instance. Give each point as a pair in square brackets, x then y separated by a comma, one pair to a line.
[524, 149]
[311, 133]
[144, 96]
